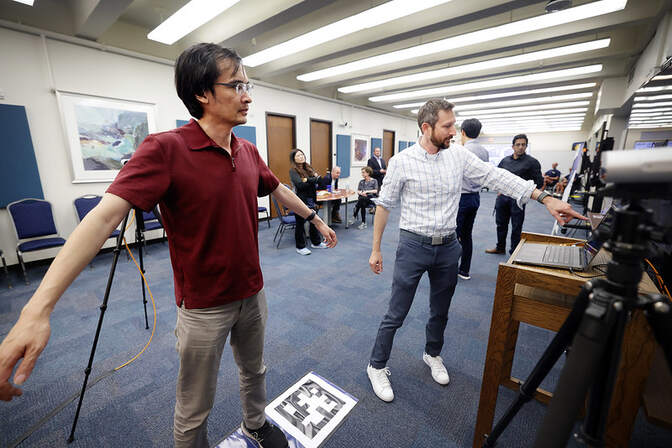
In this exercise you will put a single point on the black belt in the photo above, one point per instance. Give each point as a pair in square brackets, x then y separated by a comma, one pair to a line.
[433, 240]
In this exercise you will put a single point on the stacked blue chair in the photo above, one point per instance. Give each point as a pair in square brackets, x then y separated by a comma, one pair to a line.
[4, 265]
[84, 204]
[35, 228]
[268, 217]
[152, 223]
[287, 221]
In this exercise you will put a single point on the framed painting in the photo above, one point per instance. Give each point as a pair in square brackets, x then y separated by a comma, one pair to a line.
[360, 150]
[101, 132]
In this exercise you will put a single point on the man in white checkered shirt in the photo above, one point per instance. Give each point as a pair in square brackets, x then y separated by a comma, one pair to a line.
[426, 179]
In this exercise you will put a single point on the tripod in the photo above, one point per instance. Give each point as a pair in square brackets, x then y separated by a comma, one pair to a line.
[594, 329]
[139, 240]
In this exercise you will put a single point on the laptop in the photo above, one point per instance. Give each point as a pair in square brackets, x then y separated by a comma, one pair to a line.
[568, 257]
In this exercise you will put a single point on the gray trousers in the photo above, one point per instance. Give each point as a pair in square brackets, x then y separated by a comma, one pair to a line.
[412, 261]
[201, 336]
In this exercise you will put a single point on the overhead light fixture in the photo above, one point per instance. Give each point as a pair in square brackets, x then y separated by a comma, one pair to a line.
[528, 120]
[522, 114]
[653, 89]
[465, 99]
[545, 99]
[531, 116]
[557, 5]
[652, 98]
[189, 17]
[650, 126]
[541, 107]
[541, 130]
[490, 83]
[650, 105]
[478, 66]
[26, 2]
[378, 15]
[661, 77]
[585, 11]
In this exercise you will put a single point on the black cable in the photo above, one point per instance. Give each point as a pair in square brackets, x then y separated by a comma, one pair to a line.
[596, 267]
[55, 411]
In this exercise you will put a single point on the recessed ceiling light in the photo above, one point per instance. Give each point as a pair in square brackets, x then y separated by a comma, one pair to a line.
[465, 99]
[484, 65]
[486, 35]
[490, 83]
[188, 18]
[378, 15]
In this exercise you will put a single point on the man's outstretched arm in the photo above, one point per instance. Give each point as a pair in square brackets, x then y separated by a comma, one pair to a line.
[31, 332]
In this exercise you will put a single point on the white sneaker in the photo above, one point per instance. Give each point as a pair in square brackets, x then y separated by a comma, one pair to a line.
[464, 276]
[319, 246]
[362, 226]
[303, 251]
[380, 383]
[439, 372]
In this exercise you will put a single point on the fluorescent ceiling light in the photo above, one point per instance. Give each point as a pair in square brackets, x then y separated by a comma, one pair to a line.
[654, 89]
[650, 126]
[490, 83]
[657, 114]
[541, 107]
[478, 66]
[532, 119]
[522, 114]
[25, 2]
[650, 105]
[652, 98]
[661, 77]
[550, 121]
[189, 17]
[545, 99]
[530, 131]
[650, 111]
[465, 99]
[367, 19]
[486, 35]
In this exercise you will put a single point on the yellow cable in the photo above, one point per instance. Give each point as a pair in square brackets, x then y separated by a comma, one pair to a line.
[150, 296]
[661, 283]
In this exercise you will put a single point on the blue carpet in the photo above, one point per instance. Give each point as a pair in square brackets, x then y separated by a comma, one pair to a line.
[324, 313]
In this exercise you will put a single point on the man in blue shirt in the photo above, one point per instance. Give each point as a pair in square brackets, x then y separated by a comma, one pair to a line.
[551, 176]
[470, 199]
[527, 167]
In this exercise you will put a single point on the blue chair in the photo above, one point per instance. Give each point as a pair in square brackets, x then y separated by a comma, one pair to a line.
[86, 203]
[35, 228]
[4, 265]
[268, 217]
[151, 223]
[287, 221]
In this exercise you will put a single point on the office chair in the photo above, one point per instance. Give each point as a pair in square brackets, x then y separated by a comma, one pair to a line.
[287, 221]
[34, 226]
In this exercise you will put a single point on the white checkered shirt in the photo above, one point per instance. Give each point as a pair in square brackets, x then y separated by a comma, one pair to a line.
[429, 186]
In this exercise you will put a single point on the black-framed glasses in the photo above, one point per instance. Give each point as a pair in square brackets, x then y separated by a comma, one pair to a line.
[239, 87]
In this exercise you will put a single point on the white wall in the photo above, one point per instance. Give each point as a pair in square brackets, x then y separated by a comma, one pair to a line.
[546, 148]
[33, 67]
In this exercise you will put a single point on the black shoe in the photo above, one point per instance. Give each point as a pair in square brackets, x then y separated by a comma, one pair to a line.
[268, 436]
[494, 251]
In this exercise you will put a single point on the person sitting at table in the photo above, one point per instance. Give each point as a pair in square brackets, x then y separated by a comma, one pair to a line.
[367, 189]
[559, 187]
[305, 180]
[331, 178]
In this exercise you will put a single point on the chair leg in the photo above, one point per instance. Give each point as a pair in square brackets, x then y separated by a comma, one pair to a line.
[4, 265]
[276, 232]
[268, 219]
[280, 238]
[23, 266]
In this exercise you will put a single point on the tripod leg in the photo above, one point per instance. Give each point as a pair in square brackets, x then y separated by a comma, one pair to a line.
[548, 359]
[587, 353]
[659, 315]
[140, 240]
[103, 308]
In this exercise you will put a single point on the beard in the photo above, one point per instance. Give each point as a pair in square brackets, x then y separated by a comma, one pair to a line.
[441, 144]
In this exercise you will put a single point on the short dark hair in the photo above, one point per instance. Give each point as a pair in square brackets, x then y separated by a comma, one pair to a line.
[429, 112]
[471, 127]
[519, 136]
[197, 70]
[368, 169]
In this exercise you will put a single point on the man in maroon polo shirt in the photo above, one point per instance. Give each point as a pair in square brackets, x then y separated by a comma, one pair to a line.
[206, 182]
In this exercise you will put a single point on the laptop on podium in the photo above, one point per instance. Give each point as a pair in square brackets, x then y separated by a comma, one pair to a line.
[568, 257]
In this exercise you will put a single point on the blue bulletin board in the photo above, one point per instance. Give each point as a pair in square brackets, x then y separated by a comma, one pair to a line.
[343, 154]
[19, 177]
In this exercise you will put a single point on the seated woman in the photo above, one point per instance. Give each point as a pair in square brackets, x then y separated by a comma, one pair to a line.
[305, 179]
[367, 189]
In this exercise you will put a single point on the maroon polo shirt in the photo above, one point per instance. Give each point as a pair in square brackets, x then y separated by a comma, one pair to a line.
[208, 202]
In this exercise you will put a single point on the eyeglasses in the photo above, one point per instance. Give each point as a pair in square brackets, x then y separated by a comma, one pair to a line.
[240, 87]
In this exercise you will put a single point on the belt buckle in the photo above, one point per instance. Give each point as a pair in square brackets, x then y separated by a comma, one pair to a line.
[437, 240]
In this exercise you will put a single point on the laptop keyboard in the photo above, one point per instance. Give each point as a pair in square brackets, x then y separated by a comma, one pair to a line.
[565, 255]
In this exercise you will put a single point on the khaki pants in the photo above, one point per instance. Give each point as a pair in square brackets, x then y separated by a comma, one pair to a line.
[201, 336]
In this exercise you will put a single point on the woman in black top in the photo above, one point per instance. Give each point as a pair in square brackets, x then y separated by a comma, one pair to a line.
[305, 180]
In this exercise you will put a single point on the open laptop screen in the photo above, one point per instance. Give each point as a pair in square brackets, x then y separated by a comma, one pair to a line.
[593, 246]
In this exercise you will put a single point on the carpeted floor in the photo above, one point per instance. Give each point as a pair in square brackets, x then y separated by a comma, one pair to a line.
[324, 313]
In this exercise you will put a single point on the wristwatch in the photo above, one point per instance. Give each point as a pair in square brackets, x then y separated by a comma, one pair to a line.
[310, 217]
[542, 196]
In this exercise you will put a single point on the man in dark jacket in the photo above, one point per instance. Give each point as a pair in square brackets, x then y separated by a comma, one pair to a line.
[378, 166]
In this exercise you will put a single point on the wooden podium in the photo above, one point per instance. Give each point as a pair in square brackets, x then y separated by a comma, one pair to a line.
[543, 297]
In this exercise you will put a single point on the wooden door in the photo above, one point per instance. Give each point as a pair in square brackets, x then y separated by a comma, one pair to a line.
[320, 146]
[280, 140]
[388, 145]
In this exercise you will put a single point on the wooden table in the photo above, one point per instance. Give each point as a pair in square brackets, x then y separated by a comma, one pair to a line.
[339, 194]
[543, 297]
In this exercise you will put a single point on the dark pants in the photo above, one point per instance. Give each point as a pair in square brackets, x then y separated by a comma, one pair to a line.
[335, 205]
[300, 234]
[466, 214]
[505, 209]
[363, 202]
[414, 259]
